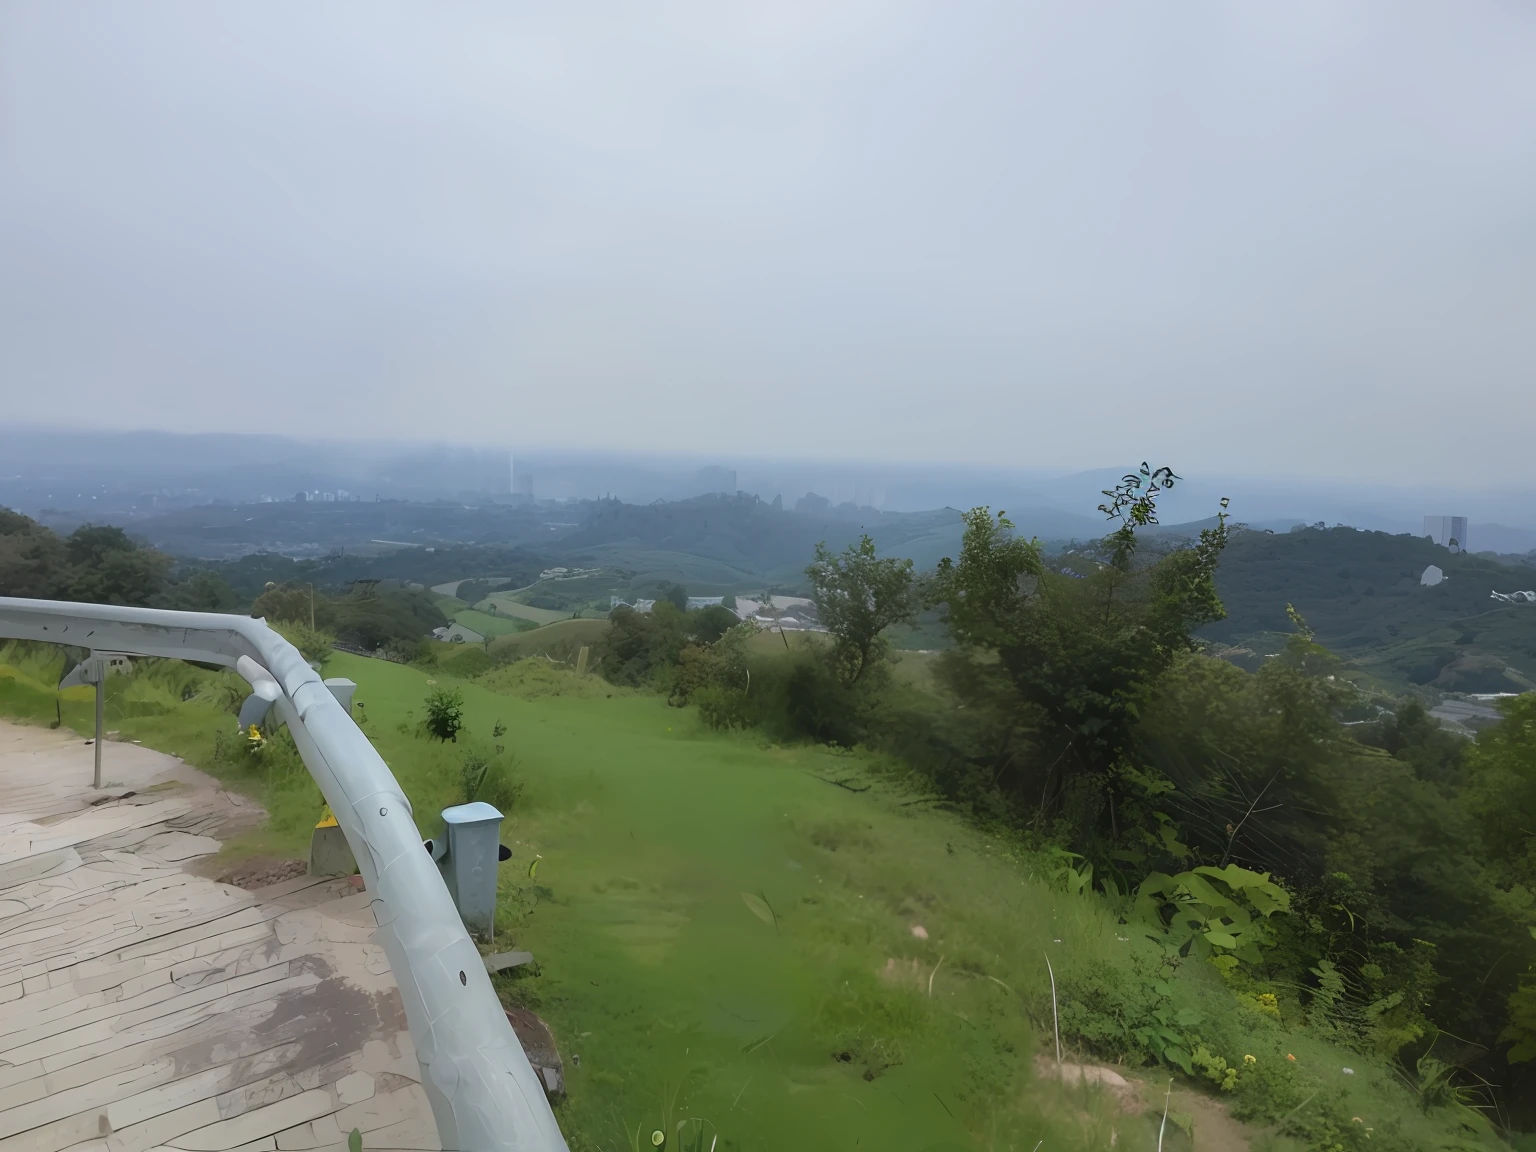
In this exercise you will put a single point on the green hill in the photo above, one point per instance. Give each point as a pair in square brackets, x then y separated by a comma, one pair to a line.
[782, 948]
[561, 640]
[1361, 593]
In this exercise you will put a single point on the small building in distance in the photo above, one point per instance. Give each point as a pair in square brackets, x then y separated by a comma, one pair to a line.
[456, 633]
[715, 480]
[641, 606]
[1447, 531]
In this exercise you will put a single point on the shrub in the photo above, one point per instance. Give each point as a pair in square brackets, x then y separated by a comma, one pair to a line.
[445, 714]
[314, 644]
[489, 778]
[800, 698]
[725, 708]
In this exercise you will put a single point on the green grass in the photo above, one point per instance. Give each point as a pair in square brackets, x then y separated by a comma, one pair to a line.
[657, 972]
[724, 932]
[510, 607]
[492, 625]
[561, 640]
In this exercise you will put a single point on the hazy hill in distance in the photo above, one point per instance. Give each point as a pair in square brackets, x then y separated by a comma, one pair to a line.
[1361, 593]
[97, 475]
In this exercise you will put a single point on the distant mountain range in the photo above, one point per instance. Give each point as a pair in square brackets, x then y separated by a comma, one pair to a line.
[137, 476]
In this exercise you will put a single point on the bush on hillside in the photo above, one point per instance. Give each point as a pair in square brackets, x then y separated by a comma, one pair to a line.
[641, 647]
[726, 708]
[799, 696]
[314, 645]
[445, 714]
[490, 776]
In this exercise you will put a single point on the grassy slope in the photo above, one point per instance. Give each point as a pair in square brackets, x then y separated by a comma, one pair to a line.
[657, 972]
[488, 624]
[507, 605]
[681, 1001]
[560, 640]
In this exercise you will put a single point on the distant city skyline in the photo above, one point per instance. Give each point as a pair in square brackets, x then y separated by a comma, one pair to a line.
[149, 473]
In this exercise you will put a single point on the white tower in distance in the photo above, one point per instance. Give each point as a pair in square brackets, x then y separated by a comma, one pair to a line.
[1447, 531]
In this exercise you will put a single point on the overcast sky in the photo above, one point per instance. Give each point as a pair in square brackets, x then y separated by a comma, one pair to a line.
[1269, 238]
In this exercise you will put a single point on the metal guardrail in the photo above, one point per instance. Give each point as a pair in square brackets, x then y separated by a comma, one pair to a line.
[484, 1094]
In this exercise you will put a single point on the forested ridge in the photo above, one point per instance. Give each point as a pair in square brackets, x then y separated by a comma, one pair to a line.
[104, 565]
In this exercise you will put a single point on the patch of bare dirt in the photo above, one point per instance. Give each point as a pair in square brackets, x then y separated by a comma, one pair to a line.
[1126, 1093]
[261, 871]
[539, 1046]
[1206, 1121]
[1196, 1122]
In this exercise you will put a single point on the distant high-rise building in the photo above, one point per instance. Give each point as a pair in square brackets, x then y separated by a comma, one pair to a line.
[1447, 531]
[713, 480]
[300, 497]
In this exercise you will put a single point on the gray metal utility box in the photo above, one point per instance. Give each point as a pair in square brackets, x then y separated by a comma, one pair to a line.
[468, 857]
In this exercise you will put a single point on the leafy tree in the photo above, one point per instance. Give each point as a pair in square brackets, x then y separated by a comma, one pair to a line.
[1064, 665]
[89, 544]
[376, 618]
[1501, 790]
[109, 568]
[1396, 923]
[369, 617]
[858, 596]
[291, 602]
[32, 560]
[1415, 737]
[201, 590]
[473, 591]
[710, 623]
[638, 643]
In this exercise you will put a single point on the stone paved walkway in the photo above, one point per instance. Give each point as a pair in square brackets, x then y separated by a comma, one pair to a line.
[143, 1006]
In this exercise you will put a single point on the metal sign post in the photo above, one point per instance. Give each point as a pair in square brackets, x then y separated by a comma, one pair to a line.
[101, 712]
[93, 670]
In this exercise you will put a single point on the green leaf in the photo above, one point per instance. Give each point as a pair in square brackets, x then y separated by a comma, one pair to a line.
[355, 1140]
[760, 908]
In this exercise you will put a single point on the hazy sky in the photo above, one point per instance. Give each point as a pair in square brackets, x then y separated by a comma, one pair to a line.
[1281, 238]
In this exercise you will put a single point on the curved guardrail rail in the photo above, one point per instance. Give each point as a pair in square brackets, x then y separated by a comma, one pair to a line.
[484, 1094]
